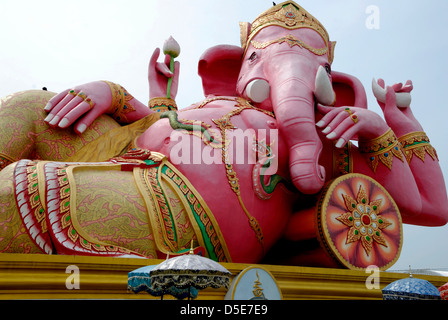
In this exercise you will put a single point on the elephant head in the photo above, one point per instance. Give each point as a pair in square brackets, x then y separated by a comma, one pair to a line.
[284, 65]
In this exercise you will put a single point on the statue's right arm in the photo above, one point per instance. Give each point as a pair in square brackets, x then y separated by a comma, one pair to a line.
[83, 104]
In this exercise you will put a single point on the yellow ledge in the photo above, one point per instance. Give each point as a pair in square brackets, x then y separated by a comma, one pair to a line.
[44, 277]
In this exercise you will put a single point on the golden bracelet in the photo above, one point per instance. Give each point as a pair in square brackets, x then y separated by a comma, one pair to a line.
[382, 149]
[120, 102]
[417, 143]
[162, 104]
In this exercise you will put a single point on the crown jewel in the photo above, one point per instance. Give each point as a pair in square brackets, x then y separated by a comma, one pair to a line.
[288, 15]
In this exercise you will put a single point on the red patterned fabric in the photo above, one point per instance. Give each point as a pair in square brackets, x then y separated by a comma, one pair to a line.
[444, 291]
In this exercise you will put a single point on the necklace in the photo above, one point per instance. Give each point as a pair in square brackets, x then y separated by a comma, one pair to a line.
[224, 123]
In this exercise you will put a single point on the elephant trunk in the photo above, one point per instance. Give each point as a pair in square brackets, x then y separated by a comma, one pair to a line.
[292, 94]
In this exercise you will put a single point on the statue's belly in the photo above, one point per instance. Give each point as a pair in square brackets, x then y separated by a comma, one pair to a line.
[211, 125]
[224, 174]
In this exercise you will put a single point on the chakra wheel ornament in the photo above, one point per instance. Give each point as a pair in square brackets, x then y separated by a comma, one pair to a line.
[359, 223]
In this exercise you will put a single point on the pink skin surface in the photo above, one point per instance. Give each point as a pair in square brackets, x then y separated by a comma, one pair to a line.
[421, 191]
[304, 147]
[212, 183]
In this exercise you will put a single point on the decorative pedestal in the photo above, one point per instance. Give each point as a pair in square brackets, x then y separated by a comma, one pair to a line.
[38, 276]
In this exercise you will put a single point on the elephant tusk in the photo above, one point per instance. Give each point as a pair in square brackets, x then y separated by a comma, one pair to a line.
[378, 92]
[323, 89]
[258, 90]
[403, 99]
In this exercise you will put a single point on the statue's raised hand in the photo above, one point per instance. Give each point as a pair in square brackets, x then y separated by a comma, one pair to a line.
[83, 104]
[158, 75]
[395, 102]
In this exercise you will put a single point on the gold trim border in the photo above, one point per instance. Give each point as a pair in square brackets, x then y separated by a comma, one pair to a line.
[39, 276]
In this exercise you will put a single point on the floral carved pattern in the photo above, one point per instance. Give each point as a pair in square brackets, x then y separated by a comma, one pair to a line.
[364, 220]
[359, 223]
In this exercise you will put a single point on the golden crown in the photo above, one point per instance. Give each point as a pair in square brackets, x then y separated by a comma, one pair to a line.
[288, 15]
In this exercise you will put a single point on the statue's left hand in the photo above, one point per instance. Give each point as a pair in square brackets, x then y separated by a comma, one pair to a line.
[400, 119]
[83, 104]
[158, 75]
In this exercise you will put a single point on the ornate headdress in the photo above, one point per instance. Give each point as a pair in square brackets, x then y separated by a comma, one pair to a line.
[288, 15]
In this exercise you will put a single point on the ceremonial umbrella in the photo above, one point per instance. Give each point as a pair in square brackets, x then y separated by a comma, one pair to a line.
[411, 289]
[190, 272]
[139, 280]
[444, 291]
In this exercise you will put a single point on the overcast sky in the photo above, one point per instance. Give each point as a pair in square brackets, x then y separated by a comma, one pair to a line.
[59, 44]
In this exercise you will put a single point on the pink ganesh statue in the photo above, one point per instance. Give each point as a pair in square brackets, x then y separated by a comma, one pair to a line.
[281, 163]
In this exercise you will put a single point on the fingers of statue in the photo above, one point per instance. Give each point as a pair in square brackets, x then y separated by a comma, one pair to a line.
[87, 119]
[175, 83]
[75, 113]
[159, 67]
[57, 103]
[391, 98]
[332, 118]
[159, 73]
[408, 86]
[69, 108]
[339, 124]
[152, 69]
[399, 87]
[55, 100]
[323, 110]
[164, 67]
[153, 59]
[156, 78]
[381, 83]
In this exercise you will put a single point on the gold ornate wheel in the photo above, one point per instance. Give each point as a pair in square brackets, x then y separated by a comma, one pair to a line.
[358, 223]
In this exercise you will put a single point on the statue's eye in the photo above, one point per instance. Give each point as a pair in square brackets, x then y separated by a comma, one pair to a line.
[328, 69]
[253, 56]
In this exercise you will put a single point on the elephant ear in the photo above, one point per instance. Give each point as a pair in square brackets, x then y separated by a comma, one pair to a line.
[349, 90]
[219, 68]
